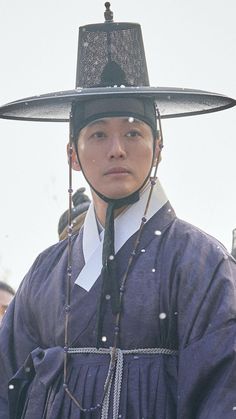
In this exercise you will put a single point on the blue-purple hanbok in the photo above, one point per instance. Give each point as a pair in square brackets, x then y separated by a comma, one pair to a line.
[177, 342]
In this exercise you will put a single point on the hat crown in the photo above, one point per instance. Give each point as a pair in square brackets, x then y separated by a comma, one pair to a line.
[111, 54]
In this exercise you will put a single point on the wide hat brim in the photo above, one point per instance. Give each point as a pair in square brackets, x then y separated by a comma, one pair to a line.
[171, 102]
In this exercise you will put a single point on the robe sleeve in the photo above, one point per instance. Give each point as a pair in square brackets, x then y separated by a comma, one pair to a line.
[17, 338]
[207, 362]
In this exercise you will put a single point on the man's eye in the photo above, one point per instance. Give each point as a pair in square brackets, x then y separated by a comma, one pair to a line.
[98, 134]
[133, 134]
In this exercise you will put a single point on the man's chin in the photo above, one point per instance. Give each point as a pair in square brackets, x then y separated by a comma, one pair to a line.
[116, 191]
[119, 193]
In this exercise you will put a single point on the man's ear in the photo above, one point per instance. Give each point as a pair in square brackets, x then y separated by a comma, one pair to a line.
[158, 149]
[74, 158]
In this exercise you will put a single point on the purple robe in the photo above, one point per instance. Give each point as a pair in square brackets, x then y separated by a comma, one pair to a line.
[180, 295]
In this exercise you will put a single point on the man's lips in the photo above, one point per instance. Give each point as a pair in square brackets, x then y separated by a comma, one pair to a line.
[117, 171]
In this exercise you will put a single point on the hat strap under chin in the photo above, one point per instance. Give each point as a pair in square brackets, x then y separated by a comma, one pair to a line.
[121, 287]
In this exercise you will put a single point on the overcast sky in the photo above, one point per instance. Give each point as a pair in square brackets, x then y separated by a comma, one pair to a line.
[187, 44]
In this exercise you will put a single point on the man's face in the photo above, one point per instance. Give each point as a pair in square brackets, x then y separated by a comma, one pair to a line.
[5, 299]
[116, 155]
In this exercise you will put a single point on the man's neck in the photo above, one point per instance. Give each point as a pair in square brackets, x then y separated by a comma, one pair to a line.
[100, 207]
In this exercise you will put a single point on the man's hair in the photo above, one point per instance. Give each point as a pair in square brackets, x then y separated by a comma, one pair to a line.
[5, 287]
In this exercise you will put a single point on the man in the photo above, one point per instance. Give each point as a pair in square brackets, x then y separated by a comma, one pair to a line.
[6, 295]
[134, 316]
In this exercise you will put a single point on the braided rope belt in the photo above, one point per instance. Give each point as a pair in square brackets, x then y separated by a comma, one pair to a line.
[118, 371]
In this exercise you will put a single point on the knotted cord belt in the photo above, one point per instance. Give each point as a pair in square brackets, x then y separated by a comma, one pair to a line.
[117, 370]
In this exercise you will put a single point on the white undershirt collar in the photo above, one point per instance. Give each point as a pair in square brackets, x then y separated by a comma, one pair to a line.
[126, 224]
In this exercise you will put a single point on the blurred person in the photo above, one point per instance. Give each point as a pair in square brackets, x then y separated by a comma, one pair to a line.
[6, 295]
[81, 204]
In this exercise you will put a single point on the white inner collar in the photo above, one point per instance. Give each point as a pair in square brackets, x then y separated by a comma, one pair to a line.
[126, 224]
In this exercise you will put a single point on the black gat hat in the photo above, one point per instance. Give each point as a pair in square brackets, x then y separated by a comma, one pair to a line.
[111, 63]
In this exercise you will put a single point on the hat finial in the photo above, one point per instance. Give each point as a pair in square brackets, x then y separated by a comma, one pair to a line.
[108, 14]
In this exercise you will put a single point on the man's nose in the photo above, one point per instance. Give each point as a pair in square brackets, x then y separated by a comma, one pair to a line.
[116, 147]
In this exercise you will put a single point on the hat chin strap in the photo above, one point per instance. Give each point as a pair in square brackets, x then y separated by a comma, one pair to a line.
[110, 284]
[126, 200]
[109, 268]
[118, 202]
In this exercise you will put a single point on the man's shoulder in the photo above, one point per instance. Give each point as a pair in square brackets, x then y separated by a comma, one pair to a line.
[193, 240]
[184, 228]
[179, 230]
[52, 255]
